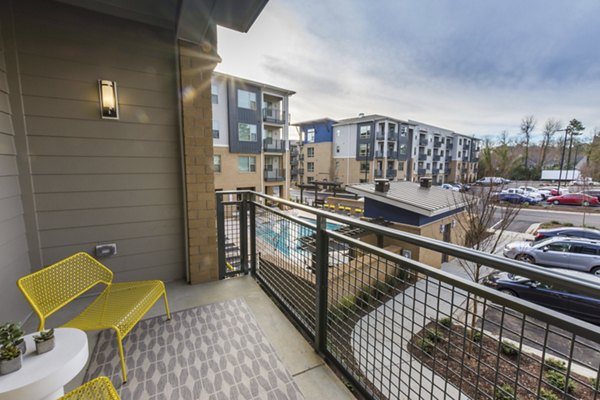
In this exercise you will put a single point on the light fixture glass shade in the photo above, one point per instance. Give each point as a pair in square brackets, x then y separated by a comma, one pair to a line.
[109, 103]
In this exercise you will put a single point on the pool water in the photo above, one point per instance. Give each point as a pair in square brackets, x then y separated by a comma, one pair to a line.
[284, 235]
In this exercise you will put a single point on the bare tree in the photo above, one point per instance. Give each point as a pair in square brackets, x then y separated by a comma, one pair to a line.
[550, 128]
[483, 228]
[527, 127]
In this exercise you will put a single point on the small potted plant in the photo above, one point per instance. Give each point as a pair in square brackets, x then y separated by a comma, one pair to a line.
[44, 341]
[10, 359]
[11, 333]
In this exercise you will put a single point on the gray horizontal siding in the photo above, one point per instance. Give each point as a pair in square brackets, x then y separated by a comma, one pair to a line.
[94, 180]
[14, 257]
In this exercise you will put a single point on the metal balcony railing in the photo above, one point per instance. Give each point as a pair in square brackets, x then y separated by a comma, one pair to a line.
[391, 173]
[423, 141]
[392, 154]
[301, 157]
[379, 154]
[274, 145]
[294, 171]
[437, 157]
[274, 115]
[392, 136]
[421, 171]
[294, 162]
[274, 175]
[397, 328]
[422, 156]
[301, 171]
[379, 135]
[378, 173]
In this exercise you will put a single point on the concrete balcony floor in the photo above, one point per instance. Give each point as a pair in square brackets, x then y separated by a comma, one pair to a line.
[314, 378]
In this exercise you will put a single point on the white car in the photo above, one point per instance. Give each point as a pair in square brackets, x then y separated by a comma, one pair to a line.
[533, 195]
[450, 187]
[533, 192]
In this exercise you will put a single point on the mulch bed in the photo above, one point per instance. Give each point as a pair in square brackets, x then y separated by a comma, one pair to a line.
[479, 368]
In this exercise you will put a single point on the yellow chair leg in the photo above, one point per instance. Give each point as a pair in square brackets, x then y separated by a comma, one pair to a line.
[167, 305]
[122, 355]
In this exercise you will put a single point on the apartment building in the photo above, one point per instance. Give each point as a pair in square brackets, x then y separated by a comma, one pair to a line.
[250, 135]
[374, 146]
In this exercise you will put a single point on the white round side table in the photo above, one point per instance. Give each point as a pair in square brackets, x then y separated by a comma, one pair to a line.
[42, 377]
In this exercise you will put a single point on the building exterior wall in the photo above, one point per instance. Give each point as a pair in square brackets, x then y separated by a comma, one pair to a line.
[321, 160]
[230, 177]
[97, 181]
[14, 257]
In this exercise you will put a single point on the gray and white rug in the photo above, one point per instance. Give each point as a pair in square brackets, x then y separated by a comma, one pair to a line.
[210, 352]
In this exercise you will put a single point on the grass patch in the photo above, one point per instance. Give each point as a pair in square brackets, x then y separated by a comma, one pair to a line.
[509, 349]
[557, 379]
[555, 364]
[548, 395]
[504, 392]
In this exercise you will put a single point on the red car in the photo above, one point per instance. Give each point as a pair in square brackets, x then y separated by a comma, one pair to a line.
[578, 199]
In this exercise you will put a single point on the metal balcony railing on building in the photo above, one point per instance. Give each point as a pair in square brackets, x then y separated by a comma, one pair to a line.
[391, 173]
[392, 154]
[423, 141]
[435, 171]
[379, 136]
[421, 171]
[437, 157]
[392, 136]
[378, 173]
[301, 171]
[274, 175]
[294, 153]
[294, 171]
[397, 328]
[437, 143]
[422, 156]
[379, 154]
[294, 162]
[301, 157]
[274, 145]
[274, 116]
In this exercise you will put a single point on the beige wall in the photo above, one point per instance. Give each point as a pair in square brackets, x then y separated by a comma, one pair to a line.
[14, 258]
[348, 171]
[230, 177]
[98, 181]
[322, 161]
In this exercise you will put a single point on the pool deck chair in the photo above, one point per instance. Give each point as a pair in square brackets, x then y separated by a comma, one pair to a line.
[118, 307]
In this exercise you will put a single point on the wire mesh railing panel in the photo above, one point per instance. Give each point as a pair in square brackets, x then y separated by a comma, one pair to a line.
[285, 251]
[233, 240]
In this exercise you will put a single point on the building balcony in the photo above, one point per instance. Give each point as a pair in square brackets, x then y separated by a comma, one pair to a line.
[437, 157]
[301, 157]
[294, 162]
[294, 153]
[392, 154]
[392, 136]
[423, 141]
[378, 173]
[379, 154]
[300, 171]
[391, 173]
[435, 171]
[273, 145]
[380, 136]
[421, 171]
[274, 175]
[437, 143]
[273, 116]
[422, 156]
[294, 171]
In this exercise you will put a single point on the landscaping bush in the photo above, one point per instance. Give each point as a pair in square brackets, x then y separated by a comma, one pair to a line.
[433, 335]
[555, 364]
[557, 379]
[477, 336]
[446, 322]
[593, 383]
[364, 297]
[505, 392]
[548, 395]
[509, 349]
[426, 345]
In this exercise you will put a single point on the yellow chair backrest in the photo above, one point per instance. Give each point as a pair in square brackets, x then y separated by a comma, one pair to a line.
[52, 287]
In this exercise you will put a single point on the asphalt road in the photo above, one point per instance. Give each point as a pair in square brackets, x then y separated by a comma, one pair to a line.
[528, 217]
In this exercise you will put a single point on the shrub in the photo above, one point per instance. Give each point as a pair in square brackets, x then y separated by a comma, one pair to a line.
[433, 336]
[426, 345]
[568, 224]
[555, 364]
[557, 379]
[364, 297]
[446, 322]
[548, 395]
[505, 392]
[593, 382]
[380, 289]
[477, 336]
[347, 304]
[508, 349]
[391, 281]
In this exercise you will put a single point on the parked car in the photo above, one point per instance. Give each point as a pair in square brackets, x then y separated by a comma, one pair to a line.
[585, 233]
[534, 192]
[594, 193]
[449, 186]
[577, 305]
[578, 199]
[560, 252]
[534, 195]
[545, 192]
[515, 198]
[491, 180]
[556, 192]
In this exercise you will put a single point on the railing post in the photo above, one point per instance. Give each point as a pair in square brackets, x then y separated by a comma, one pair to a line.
[252, 234]
[221, 235]
[244, 233]
[321, 271]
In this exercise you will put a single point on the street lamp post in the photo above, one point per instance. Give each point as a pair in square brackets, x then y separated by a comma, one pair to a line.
[562, 157]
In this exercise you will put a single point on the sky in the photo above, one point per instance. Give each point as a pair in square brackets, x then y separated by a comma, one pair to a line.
[475, 67]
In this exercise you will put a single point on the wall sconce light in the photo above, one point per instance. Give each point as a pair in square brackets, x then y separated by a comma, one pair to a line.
[109, 101]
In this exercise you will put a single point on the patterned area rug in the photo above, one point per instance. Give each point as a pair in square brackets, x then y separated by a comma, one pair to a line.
[210, 352]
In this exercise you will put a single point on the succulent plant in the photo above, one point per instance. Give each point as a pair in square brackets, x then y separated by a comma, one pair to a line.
[9, 352]
[10, 333]
[44, 335]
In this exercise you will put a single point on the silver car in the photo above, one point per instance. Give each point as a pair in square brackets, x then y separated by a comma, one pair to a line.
[561, 252]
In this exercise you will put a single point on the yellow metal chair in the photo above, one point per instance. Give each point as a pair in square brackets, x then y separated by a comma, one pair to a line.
[100, 388]
[118, 307]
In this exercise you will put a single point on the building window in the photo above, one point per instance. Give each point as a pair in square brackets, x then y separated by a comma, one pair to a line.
[246, 99]
[363, 150]
[247, 164]
[459, 142]
[337, 149]
[310, 152]
[310, 135]
[401, 166]
[403, 131]
[428, 166]
[402, 149]
[364, 166]
[459, 154]
[428, 152]
[310, 167]
[215, 129]
[214, 91]
[246, 132]
[310, 179]
[217, 163]
[365, 131]
[415, 151]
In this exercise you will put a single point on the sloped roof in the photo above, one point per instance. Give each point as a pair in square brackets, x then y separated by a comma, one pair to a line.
[412, 197]
[367, 118]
